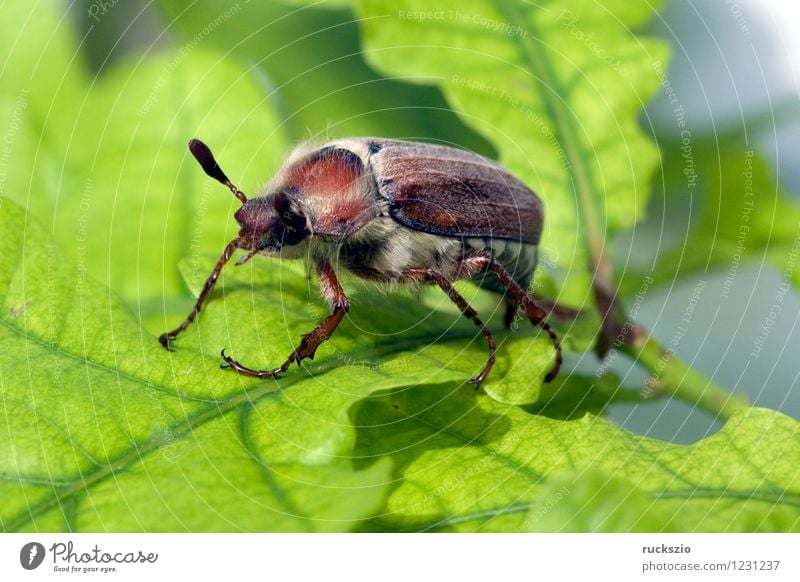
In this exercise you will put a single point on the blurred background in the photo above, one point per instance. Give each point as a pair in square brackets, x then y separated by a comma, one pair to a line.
[734, 74]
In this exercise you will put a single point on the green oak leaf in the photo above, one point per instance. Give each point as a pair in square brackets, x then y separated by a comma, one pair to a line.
[137, 168]
[556, 87]
[571, 396]
[101, 421]
[42, 86]
[106, 431]
[104, 162]
[317, 75]
[321, 3]
[465, 462]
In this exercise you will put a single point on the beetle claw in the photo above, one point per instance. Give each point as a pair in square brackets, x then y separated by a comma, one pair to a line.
[245, 371]
[164, 340]
[229, 361]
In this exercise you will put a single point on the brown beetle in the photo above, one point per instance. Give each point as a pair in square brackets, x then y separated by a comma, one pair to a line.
[389, 211]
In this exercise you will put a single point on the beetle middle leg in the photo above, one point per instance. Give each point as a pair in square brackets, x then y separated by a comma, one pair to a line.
[466, 309]
[335, 295]
[475, 265]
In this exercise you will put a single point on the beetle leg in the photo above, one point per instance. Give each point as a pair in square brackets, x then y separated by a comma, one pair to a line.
[165, 338]
[466, 309]
[478, 264]
[551, 308]
[512, 306]
[333, 292]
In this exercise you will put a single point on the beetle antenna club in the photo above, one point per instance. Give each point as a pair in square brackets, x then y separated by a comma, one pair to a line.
[205, 158]
[389, 211]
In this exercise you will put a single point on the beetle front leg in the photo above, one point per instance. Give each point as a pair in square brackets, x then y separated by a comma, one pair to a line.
[466, 309]
[167, 337]
[334, 294]
[479, 264]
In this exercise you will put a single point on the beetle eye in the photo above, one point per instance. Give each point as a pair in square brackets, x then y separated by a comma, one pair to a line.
[294, 223]
[289, 218]
[292, 220]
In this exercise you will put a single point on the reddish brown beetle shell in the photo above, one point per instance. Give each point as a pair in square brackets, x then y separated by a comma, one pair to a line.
[455, 193]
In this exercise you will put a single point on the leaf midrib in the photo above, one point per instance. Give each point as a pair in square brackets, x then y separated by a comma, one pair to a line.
[532, 56]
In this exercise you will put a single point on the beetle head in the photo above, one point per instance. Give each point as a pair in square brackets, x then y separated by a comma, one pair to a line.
[271, 222]
[268, 223]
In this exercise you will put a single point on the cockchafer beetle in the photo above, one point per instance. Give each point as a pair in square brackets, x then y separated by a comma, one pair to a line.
[389, 211]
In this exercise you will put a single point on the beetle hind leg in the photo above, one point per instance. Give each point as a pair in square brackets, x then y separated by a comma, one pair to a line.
[512, 308]
[519, 298]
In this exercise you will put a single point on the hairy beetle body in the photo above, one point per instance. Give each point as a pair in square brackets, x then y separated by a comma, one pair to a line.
[390, 211]
[384, 220]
